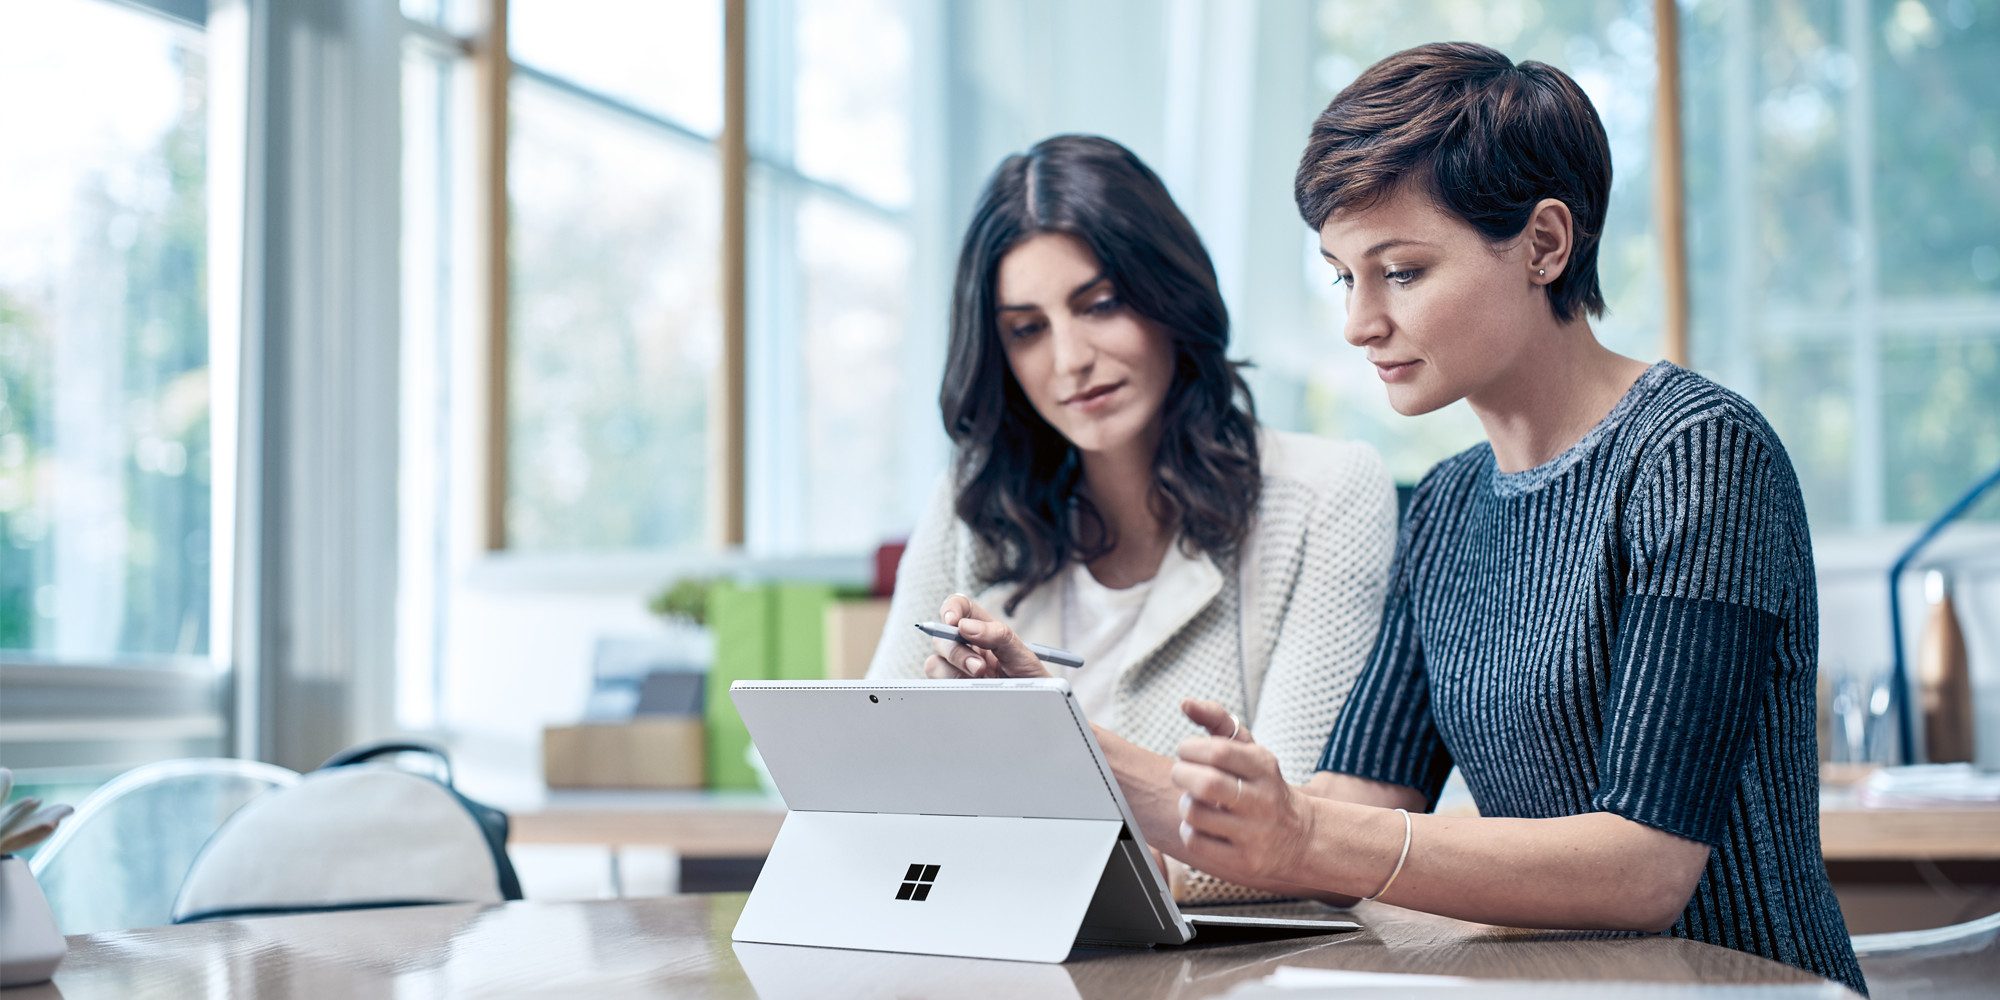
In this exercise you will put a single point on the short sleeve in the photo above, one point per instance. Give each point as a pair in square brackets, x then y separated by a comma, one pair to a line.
[1710, 534]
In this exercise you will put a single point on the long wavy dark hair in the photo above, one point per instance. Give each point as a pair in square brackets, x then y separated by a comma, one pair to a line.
[1018, 477]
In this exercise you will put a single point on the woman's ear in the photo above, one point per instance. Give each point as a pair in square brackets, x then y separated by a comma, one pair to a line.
[1550, 236]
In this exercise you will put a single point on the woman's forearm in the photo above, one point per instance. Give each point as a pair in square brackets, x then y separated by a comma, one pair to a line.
[1592, 871]
[1595, 871]
[1145, 778]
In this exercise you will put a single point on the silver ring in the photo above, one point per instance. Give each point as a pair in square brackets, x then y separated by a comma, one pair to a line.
[1235, 726]
[1239, 792]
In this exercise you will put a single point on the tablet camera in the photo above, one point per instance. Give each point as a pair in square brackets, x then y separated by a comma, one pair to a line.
[874, 699]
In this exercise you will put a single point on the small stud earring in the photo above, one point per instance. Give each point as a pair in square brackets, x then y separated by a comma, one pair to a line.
[1541, 272]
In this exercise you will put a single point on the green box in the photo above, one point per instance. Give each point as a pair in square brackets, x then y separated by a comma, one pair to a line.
[762, 632]
[740, 617]
[799, 647]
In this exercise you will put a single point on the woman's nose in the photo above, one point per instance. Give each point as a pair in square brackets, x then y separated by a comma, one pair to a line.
[1366, 321]
[1074, 350]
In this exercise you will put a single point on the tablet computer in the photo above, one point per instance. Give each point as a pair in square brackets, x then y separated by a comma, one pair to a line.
[969, 817]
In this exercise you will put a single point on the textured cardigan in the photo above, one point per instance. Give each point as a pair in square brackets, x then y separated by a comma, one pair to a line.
[1278, 636]
[1630, 628]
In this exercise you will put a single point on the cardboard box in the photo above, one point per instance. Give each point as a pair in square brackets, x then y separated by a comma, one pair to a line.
[853, 630]
[648, 752]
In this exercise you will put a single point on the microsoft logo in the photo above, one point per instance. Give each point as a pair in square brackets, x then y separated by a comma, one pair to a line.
[917, 883]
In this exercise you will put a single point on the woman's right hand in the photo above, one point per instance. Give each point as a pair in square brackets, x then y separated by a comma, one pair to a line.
[994, 650]
[1240, 819]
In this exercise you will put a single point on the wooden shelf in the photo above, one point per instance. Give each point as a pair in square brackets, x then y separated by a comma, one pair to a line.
[1853, 833]
[739, 826]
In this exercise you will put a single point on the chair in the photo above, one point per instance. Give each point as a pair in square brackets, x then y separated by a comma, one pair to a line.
[354, 834]
[119, 861]
[1959, 960]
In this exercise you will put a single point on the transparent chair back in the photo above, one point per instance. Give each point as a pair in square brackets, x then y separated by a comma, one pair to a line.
[1957, 960]
[119, 861]
[1981, 933]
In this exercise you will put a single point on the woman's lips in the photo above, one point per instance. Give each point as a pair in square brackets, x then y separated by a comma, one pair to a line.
[1396, 371]
[1095, 399]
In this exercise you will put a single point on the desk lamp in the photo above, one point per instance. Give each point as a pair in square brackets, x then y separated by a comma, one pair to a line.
[1899, 678]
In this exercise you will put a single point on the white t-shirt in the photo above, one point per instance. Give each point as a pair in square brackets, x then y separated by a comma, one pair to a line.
[1097, 621]
[1104, 625]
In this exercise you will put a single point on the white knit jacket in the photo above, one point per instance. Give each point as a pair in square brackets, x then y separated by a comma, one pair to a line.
[1315, 567]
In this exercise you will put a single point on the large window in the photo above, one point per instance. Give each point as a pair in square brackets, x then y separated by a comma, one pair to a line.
[831, 281]
[614, 326]
[439, 193]
[1843, 164]
[616, 310]
[109, 484]
[105, 477]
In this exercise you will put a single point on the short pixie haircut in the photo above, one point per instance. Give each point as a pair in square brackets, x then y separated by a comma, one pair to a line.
[1489, 138]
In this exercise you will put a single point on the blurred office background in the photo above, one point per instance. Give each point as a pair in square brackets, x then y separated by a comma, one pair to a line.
[358, 376]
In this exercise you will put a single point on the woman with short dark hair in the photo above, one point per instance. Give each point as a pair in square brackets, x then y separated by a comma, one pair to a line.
[1113, 494]
[1604, 616]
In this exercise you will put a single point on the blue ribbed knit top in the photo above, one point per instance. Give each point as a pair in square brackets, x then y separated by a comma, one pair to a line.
[1631, 627]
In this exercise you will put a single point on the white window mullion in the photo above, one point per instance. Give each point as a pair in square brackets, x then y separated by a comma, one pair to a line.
[1865, 361]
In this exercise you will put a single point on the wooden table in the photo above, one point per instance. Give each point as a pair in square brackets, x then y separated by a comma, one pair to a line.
[679, 946]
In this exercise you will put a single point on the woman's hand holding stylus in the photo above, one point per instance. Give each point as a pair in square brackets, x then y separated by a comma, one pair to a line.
[990, 649]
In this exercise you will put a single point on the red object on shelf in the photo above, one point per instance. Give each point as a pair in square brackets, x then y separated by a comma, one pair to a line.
[887, 556]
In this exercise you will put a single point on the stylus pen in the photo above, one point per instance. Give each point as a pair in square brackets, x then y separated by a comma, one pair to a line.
[949, 633]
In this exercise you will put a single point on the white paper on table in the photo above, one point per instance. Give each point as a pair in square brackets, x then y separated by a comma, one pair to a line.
[1288, 981]
[1930, 785]
[1299, 978]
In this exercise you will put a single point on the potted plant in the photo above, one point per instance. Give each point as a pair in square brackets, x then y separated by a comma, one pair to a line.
[30, 945]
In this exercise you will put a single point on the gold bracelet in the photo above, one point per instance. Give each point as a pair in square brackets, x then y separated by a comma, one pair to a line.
[1405, 856]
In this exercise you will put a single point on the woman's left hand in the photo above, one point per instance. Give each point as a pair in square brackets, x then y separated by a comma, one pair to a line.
[1240, 819]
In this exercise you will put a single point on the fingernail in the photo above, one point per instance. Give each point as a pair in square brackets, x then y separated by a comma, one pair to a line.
[1187, 802]
[1187, 833]
[971, 628]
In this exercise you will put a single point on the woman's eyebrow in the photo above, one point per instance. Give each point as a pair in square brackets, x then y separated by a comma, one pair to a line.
[1073, 295]
[1388, 244]
[1078, 291]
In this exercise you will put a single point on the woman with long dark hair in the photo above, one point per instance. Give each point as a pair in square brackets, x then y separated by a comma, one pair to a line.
[1112, 492]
